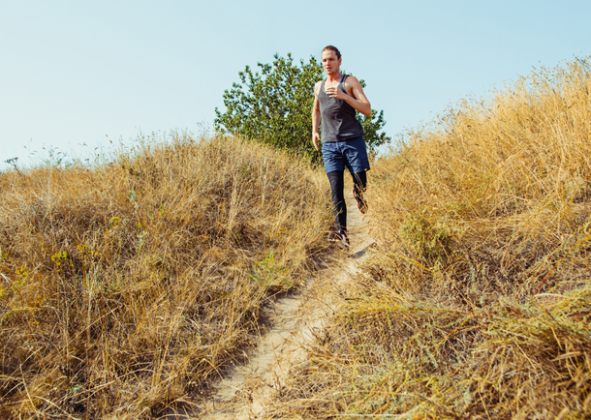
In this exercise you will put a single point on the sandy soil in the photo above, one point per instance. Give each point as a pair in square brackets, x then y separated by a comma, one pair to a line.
[248, 390]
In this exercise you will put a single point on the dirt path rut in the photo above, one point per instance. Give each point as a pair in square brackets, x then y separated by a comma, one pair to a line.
[248, 391]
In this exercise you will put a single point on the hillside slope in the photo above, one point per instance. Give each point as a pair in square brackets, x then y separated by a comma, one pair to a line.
[478, 302]
[127, 289]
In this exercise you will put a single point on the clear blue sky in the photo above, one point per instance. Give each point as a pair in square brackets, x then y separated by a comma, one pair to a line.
[74, 72]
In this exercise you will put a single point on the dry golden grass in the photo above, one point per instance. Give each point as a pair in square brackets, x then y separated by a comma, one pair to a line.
[126, 289]
[478, 302]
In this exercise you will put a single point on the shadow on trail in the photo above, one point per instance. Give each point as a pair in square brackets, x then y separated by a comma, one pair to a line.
[360, 253]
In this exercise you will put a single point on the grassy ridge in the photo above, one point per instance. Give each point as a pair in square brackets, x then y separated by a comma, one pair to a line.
[125, 289]
[478, 302]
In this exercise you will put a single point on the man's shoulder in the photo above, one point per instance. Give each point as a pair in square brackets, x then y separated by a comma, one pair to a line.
[317, 86]
[351, 79]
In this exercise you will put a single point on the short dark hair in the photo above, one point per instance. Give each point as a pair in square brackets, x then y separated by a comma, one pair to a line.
[332, 48]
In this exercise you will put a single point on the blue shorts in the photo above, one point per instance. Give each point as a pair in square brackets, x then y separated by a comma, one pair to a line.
[347, 153]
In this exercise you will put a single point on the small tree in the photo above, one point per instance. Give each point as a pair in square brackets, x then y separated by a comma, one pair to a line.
[275, 106]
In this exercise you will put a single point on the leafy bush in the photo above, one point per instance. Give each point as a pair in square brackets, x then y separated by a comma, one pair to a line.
[275, 107]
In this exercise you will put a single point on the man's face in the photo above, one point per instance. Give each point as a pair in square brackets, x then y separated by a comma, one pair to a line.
[330, 62]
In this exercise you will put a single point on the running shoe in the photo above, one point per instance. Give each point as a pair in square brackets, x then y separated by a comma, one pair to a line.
[341, 238]
[361, 204]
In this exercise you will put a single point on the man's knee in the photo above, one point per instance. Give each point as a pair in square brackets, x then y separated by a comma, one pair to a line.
[360, 180]
[336, 179]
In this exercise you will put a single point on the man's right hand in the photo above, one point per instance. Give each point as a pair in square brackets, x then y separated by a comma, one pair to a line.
[315, 139]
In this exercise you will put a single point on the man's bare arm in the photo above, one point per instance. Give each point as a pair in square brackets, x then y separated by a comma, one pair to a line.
[358, 101]
[316, 117]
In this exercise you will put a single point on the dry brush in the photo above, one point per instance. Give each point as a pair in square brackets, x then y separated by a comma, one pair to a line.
[478, 302]
[127, 288]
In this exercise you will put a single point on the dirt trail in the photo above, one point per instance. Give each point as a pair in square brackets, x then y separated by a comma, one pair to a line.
[249, 390]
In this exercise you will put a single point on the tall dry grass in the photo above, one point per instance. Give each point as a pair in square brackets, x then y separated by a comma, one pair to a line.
[477, 303]
[126, 289]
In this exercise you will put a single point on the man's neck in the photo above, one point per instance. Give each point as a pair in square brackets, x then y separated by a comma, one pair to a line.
[333, 77]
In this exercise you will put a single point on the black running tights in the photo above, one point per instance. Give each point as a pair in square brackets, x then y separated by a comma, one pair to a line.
[337, 185]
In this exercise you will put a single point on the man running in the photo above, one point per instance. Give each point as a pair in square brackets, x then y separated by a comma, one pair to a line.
[337, 99]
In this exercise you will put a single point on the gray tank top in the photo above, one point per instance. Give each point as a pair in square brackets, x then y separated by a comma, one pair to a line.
[338, 117]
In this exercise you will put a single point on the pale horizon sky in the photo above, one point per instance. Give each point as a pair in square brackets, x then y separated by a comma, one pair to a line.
[74, 73]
